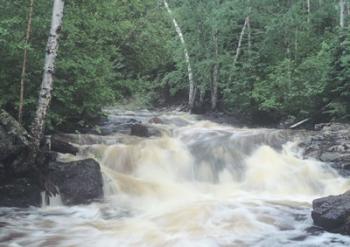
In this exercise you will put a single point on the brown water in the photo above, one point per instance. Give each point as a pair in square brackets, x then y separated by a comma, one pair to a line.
[198, 184]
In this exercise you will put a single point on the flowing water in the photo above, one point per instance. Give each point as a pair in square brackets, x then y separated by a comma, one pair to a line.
[195, 183]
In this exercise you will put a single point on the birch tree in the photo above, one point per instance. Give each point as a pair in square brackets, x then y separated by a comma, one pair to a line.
[342, 13]
[192, 86]
[25, 58]
[49, 69]
[238, 50]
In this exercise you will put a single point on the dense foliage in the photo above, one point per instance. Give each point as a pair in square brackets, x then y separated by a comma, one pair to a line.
[292, 61]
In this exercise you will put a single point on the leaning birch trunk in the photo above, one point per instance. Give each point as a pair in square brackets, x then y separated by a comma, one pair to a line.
[49, 69]
[249, 38]
[24, 64]
[238, 51]
[192, 86]
[342, 13]
[215, 82]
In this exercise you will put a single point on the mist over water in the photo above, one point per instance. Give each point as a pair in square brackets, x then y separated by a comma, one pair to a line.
[198, 184]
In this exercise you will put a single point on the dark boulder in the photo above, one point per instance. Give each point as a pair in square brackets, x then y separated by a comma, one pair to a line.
[332, 213]
[79, 182]
[21, 192]
[14, 144]
[139, 130]
[60, 146]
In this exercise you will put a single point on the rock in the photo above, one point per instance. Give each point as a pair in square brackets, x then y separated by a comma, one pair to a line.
[21, 192]
[332, 213]
[330, 143]
[139, 130]
[14, 144]
[155, 120]
[2, 172]
[79, 182]
[60, 146]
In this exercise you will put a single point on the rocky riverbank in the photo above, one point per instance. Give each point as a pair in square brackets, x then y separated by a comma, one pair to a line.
[23, 180]
[330, 143]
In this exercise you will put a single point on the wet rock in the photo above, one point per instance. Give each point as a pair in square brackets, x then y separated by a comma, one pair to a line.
[60, 146]
[2, 172]
[21, 192]
[14, 144]
[79, 182]
[155, 120]
[331, 144]
[139, 130]
[333, 213]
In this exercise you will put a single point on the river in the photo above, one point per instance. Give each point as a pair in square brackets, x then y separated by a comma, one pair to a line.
[195, 183]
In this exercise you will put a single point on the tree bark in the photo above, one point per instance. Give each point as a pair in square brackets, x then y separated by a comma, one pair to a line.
[249, 37]
[308, 10]
[342, 13]
[192, 86]
[49, 69]
[238, 51]
[25, 59]
[215, 77]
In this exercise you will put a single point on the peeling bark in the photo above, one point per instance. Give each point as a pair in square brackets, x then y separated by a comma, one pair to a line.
[49, 69]
[192, 86]
[25, 59]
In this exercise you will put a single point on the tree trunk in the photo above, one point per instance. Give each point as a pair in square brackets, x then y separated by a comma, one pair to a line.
[308, 10]
[249, 37]
[24, 64]
[238, 51]
[215, 77]
[49, 69]
[342, 13]
[192, 86]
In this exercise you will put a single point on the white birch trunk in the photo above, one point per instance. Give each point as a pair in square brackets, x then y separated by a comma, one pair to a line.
[192, 86]
[215, 79]
[238, 51]
[49, 69]
[342, 13]
[249, 37]
[25, 59]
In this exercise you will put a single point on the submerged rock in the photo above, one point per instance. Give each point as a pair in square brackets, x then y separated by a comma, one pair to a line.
[333, 213]
[139, 130]
[79, 182]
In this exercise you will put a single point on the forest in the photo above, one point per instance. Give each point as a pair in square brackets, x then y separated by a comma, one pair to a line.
[262, 60]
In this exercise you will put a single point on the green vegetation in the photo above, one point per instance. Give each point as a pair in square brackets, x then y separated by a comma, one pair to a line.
[293, 61]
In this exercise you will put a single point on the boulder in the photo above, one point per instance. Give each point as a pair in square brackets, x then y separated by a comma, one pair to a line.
[333, 213]
[330, 143]
[155, 120]
[60, 146]
[139, 130]
[78, 182]
[14, 144]
[20, 192]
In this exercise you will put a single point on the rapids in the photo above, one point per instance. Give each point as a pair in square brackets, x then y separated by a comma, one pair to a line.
[197, 184]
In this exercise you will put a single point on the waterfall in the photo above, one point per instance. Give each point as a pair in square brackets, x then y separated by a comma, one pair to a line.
[197, 184]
